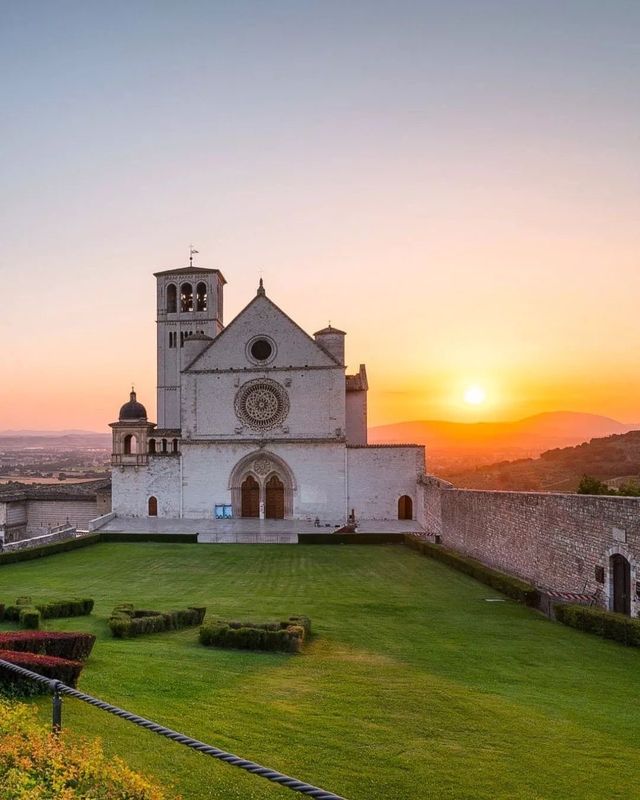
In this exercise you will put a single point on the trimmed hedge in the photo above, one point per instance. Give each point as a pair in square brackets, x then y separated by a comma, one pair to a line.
[29, 613]
[351, 538]
[30, 553]
[165, 538]
[29, 618]
[61, 669]
[287, 636]
[607, 624]
[126, 621]
[73, 646]
[515, 588]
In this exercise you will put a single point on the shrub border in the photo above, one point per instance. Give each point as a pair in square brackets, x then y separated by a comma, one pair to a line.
[513, 587]
[607, 624]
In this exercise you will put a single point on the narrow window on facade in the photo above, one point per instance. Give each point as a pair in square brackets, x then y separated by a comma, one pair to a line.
[201, 297]
[175, 445]
[181, 338]
[172, 303]
[186, 297]
[152, 446]
[164, 445]
[153, 506]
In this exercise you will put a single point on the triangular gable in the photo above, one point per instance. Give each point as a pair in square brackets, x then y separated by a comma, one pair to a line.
[294, 346]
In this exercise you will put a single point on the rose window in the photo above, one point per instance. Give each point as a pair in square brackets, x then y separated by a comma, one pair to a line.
[261, 404]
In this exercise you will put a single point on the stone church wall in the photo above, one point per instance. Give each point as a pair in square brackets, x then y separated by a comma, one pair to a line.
[318, 469]
[379, 476]
[131, 487]
[555, 541]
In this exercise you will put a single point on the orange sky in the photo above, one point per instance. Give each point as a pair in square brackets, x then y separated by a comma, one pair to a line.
[458, 191]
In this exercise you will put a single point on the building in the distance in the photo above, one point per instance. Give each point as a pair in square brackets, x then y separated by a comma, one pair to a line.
[255, 419]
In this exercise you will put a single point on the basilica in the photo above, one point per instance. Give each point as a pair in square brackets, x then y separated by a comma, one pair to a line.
[255, 419]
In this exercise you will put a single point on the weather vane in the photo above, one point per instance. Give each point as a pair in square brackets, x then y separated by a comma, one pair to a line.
[192, 252]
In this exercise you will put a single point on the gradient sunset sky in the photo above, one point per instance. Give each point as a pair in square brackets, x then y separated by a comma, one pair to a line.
[456, 185]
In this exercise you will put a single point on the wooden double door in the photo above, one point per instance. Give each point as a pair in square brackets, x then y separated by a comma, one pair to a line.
[273, 498]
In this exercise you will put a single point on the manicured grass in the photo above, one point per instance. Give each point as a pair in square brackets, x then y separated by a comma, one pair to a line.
[414, 686]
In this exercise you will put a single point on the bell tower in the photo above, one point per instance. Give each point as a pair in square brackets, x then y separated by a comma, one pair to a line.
[189, 302]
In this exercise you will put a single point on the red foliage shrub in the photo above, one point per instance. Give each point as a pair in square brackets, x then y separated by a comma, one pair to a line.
[61, 669]
[74, 646]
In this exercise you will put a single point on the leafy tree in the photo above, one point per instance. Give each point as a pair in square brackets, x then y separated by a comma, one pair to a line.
[591, 485]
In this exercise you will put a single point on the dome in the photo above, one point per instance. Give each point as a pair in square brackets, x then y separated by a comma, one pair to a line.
[133, 409]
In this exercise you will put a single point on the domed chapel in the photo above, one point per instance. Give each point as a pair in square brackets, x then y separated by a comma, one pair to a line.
[256, 419]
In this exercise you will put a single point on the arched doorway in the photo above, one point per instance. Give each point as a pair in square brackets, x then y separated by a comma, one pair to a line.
[621, 584]
[153, 506]
[405, 507]
[274, 500]
[250, 497]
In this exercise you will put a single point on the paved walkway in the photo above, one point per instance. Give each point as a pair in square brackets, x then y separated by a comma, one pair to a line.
[280, 530]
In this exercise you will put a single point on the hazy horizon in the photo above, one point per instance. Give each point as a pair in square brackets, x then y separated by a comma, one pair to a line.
[455, 186]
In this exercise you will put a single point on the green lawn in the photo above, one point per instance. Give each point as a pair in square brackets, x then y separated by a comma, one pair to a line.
[414, 686]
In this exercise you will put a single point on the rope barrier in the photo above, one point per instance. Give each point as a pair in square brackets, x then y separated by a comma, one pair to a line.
[58, 688]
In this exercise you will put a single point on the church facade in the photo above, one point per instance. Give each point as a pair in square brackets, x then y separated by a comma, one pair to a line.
[256, 419]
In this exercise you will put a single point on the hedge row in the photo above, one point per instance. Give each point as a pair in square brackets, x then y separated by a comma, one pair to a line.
[164, 538]
[126, 621]
[351, 538]
[61, 669]
[30, 553]
[29, 613]
[73, 646]
[515, 588]
[607, 624]
[287, 636]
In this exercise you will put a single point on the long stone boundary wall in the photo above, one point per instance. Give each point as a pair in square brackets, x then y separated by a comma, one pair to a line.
[561, 542]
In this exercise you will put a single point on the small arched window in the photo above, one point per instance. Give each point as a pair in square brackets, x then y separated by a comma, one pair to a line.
[172, 299]
[186, 297]
[175, 445]
[164, 445]
[152, 446]
[201, 297]
[130, 444]
[153, 506]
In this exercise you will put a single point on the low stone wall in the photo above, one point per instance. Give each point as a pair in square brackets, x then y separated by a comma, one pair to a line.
[430, 505]
[556, 541]
[59, 534]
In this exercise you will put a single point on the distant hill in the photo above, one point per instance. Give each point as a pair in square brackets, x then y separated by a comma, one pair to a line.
[53, 440]
[453, 445]
[613, 459]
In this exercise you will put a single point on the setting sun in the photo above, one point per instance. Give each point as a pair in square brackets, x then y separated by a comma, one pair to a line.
[474, 395]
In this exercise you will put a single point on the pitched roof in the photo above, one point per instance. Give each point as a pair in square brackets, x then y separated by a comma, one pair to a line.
[260, 296]
[53, 491]
[329, 329]
[190, 271]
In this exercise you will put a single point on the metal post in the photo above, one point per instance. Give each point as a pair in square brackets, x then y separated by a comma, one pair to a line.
[56, 703]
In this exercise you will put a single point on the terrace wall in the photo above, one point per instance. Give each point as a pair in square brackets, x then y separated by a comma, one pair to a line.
[556, 541]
